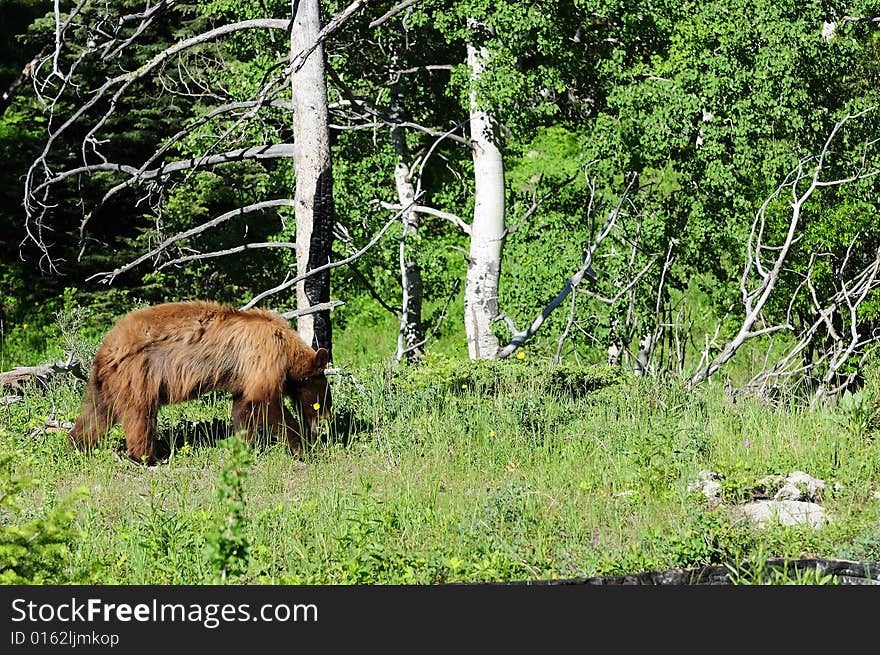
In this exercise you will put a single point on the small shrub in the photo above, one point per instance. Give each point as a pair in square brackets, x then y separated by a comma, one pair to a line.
[354, 404]
[437, 373]
[859, 413]
[33, 550]
[227, 548]
[169, 540]
[739, 482]
[578, 379]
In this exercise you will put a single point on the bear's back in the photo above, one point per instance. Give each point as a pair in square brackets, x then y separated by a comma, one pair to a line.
[189, 322]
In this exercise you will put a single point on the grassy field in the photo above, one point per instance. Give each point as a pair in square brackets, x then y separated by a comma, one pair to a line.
[453, 471]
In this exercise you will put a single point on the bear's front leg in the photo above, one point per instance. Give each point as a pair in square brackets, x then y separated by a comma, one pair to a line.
[244, 417]
[140, 434]
[290, 431]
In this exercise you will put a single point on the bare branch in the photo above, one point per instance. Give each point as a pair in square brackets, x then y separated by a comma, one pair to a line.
[108, 277]
[276, 151]
[536, 203]
[429, 67]
[35, 206]
[125, 80]
[755, 299]
[370, 109]
[111, 92]
[391, 13]
[835, 350]
[519, 338]
[280, 80]
[144, 18]
[422, 209]
[330, 265]
[287, 245]
[140, 173]
[372, 291]
[314, 309]
[336, 22]
[557, 358]
[623, 291]
[18, 378]
[436, 327]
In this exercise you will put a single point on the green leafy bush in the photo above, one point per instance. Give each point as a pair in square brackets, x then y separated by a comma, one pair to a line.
[227, 548]
[437, 373]
[33, 550]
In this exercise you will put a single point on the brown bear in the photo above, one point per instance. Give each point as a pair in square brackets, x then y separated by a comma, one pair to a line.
[178, 351]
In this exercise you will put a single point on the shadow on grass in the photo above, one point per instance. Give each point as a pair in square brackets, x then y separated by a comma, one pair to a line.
[195, 434]
[342, 429]
[345, 427]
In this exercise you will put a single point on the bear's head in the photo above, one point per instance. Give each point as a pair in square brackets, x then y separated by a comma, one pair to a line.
[308, 388]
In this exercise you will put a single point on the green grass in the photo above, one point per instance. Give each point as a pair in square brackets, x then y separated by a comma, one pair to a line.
[452, 472]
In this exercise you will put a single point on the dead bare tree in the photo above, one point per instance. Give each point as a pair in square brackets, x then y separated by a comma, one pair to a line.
[408, 177]
[765, 263]
[411, 331]
[314, 209]
[836, 337]
[487, 229]
[298, 74]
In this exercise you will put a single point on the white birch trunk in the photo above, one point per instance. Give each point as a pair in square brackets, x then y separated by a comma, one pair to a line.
[314, 175]
[484, 265]
[410, 334]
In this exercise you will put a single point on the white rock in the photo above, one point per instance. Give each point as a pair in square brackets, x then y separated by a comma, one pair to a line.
[787, 512]
[706, 484]
[788, 492]
[812, 487]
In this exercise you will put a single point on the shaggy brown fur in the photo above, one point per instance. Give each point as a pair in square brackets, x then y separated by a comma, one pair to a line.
[175, 352]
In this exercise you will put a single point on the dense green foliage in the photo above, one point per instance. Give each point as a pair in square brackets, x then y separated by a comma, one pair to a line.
[711, 104]
[227, 547]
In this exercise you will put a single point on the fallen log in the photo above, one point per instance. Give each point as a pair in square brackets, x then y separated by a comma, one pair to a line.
[843, 572]
[21, 377]
[51, 424]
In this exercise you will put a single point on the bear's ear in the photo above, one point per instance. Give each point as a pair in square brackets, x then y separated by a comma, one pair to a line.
[322, 357]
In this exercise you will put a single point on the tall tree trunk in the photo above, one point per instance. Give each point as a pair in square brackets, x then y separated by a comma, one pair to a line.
[411, 333]
[487, 230]
[314, 175]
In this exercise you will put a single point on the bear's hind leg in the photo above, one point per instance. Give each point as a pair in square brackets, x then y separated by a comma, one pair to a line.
[95, 419]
